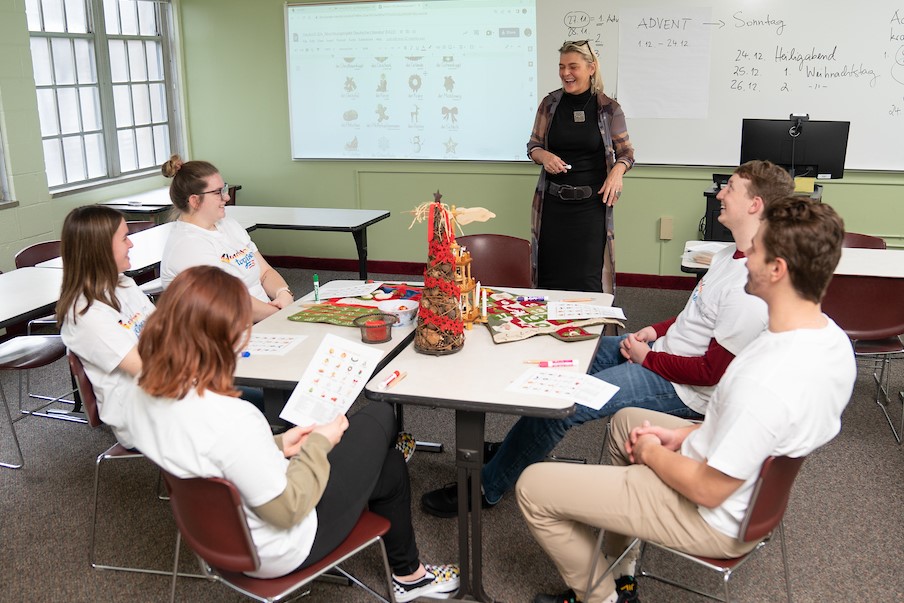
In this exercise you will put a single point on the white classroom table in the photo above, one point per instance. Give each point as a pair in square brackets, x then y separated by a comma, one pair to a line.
[354, 221]
[145, 254]
[854, 261]
[278, 375]
[148, 244]
[473, 382]
[27, 293]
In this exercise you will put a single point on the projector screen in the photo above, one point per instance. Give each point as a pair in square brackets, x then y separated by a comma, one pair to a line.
[434, 79]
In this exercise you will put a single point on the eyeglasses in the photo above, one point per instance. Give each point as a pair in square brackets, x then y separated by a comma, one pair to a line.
[577, 43]
[224, 192]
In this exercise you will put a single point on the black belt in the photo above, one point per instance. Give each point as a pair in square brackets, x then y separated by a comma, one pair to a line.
[570, 193]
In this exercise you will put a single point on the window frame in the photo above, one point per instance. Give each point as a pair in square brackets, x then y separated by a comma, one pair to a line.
[109, 129]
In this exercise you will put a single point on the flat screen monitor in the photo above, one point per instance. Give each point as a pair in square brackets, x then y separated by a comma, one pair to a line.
[810, 149]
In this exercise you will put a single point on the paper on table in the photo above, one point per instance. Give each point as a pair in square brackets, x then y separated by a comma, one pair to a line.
[702, 253]
[579, 388]
[577, 311]
[331, 382]
[335, 289]
[266, 344]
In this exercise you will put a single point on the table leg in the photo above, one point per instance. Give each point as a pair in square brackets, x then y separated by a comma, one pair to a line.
[469, 436]
[361, 245]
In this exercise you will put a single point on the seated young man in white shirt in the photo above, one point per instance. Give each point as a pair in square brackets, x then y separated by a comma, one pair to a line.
[687, 485]
[672, 367]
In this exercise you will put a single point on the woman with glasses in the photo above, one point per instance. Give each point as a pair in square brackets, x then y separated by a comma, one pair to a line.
[302, 491]
[203, 235]
[101, 311]
[581, 140]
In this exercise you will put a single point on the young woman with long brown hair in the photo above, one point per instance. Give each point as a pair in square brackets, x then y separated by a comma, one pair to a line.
[101, 311]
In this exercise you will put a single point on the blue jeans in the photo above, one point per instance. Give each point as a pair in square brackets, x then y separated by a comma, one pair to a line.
[531, 439]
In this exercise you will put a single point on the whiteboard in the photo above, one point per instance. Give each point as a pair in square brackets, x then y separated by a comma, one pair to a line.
[767, 59]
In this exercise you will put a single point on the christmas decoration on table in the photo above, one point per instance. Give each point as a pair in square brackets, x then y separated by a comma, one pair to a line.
[514, 318]
[451, 297]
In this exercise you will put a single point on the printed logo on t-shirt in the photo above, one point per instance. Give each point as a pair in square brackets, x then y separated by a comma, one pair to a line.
[135, 323]
[697, 290]
[243, 258]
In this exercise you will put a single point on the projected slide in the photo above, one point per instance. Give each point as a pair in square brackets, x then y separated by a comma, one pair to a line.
[437, 79]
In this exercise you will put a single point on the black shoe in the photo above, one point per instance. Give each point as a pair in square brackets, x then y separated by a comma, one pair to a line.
[626, 587]
[567, 597]
[443, 502]
[489, 451]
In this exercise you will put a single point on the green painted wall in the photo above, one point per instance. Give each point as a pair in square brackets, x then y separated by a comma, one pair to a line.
[236, 115]
[234, 60]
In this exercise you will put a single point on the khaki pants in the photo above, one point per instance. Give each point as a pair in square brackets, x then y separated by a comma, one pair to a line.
[562, 503]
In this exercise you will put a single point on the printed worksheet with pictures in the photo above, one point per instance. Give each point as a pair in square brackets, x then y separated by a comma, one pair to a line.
[575, 311]
[331, 382]
[579, 388]
[271, 344]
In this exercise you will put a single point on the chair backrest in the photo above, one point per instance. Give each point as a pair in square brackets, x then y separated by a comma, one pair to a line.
[863, 241]
[209, 514]
[770, 497]
[37, 253]
[498, 259]
[85, 390]
[139, 225]
[866, 307]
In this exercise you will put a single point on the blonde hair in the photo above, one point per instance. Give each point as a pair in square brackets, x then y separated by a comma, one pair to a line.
[583, 48]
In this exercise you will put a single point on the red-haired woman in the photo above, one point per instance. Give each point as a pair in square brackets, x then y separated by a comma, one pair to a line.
[303, 491]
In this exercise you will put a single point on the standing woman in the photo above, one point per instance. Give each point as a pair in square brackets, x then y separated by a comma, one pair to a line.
[581, 140]
[101, 311]
[302, 491]
[203, 235]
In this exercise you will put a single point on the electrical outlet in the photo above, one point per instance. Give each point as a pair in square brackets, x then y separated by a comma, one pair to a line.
[665, 229]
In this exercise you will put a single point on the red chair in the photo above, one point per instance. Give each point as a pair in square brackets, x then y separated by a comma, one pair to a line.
[764, 515]
[139, 225]
[37, 253]
[498, 260]
[211, 518]
[869, 310]
[863, 241]
[115, 452]
[24, 353]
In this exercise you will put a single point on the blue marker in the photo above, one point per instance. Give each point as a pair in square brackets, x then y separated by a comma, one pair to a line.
[537, 298]
[316, 288]
[246, 354]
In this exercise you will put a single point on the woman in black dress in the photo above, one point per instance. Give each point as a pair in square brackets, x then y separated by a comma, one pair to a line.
[581, 140]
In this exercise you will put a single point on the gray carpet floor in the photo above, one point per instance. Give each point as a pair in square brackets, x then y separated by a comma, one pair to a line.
[844, 524]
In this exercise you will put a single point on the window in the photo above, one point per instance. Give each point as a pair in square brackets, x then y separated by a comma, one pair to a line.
[103, 75]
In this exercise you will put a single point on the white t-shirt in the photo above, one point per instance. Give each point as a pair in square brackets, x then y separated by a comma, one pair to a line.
[101, 338]
[221, 436]
[719, 309]
[782, 396]
[228, 247]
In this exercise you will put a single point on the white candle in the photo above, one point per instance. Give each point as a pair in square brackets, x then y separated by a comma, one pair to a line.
[483, 307]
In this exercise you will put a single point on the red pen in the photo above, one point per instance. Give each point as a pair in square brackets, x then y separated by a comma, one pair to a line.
[392, 379]
[553, 363]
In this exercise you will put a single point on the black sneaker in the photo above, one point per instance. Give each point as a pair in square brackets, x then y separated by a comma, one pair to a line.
[443, 502]
[626, 587]
[567, 597]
